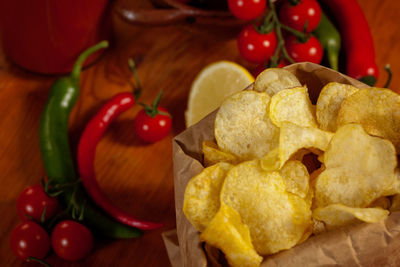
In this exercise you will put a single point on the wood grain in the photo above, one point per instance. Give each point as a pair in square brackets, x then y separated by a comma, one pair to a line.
[136, 176]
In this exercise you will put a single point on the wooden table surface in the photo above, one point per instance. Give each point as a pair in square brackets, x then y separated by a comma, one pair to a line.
[138, 177]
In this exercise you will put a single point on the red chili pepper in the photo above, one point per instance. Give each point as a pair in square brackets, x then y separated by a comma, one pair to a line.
[357, 40]
[86, 153]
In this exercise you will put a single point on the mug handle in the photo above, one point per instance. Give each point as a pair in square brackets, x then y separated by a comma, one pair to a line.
[175, 13]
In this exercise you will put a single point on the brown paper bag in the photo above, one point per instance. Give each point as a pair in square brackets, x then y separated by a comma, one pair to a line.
[358, 245]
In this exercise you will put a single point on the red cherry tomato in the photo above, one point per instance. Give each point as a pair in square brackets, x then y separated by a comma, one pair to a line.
[32, 202]
[310, 51]
[152, 129]
[296, 16]
[29, 239]
[247, 9]
[71, 241]
[256, 47]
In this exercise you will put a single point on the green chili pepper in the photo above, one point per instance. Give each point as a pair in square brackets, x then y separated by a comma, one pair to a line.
[329, 38]
[56, 153]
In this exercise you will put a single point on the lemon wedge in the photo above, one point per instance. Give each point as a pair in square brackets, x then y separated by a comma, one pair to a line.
[212, 85]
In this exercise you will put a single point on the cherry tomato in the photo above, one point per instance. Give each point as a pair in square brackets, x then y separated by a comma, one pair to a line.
[247, 9]
[256, 47]
[310, 51]
[71, 240]
[152, 129]
[296, 16]
[32, 202]
[29, 239]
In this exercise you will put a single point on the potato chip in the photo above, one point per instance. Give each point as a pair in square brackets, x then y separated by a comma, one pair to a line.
[359, 168]
[273, 80]
[201, 200]
[271, 162]
[292, 138]
[377, 110]
[296, 178]
[308, 232]
[328, 104]
[337, 215]
[394, 188]
[292, 105]
[213, 155]
[276, 219]
[242, 126]
[318, 227]
[227, 232]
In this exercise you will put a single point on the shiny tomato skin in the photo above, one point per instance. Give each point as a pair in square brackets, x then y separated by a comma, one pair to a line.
[247, 9]
[29, 239]
[310, 51]
[71, 240]
[152, 129]
[32, 202]
[296, 16]
[256, 47]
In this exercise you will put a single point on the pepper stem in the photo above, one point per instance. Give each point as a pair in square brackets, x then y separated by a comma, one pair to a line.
[137, 92]
[76, 70]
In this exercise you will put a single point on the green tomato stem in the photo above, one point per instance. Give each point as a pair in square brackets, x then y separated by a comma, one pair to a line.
[281, 42]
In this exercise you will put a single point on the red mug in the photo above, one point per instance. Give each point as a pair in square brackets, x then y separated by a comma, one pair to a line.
[46, 36]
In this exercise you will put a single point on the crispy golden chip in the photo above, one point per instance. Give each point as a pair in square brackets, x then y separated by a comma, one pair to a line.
[359, 168]
[307, 234]
[296, 178]
[273, 80]
[227, 232]
[337, 215]
[271, 162]
[328, 104]
[292, 105]
[276, 219]
[318, 227]
[377, 110]
[242, 126]
[295, 142]
[201, 200]
[292, 138]
[213, 155]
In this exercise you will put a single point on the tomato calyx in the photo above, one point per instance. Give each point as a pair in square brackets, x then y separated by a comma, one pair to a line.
[153, 110]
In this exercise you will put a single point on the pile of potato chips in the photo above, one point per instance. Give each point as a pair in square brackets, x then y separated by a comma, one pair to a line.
[281, 169]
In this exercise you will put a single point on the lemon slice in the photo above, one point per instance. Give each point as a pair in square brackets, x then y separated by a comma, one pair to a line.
[212, 85]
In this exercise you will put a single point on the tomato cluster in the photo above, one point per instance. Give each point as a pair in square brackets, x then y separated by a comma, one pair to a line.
[283, 36]
[69, 239]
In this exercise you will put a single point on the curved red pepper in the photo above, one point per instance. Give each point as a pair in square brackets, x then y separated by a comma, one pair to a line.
[86, 153]
[357, 40]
